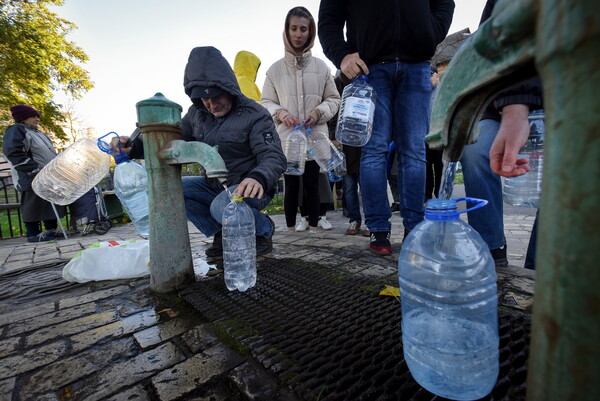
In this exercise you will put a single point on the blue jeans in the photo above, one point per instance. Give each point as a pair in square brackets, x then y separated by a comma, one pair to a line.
[204, 207]
[401, 114]
[482, 183]
[351, 198]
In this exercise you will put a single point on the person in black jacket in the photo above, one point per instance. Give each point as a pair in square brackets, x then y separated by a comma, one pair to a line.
[28, 150]
[248, 143]
[507, 115]
[392, 41]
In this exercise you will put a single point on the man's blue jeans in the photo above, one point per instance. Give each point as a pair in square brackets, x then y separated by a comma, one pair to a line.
[401, 114]
[351, 197]
[482, 183]
[204, 206]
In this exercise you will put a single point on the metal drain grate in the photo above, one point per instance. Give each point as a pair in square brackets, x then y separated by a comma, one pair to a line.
[328, 335]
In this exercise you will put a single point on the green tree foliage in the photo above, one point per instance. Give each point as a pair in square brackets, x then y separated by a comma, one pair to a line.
[37, 60]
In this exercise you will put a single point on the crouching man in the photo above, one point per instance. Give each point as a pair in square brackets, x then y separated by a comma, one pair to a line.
[247, 140]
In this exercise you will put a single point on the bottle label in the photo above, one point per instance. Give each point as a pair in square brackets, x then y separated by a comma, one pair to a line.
[362, 109]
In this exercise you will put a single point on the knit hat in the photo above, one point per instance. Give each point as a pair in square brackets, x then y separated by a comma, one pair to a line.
[22, 112]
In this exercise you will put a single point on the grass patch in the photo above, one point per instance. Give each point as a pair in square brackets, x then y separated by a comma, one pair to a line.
[229, 330]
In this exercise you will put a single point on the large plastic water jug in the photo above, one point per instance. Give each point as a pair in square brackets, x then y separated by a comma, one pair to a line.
[525, 189]
[294, 149]
[239, 245]
[72, 173]
[355, 118]
[449, 304]
[131, 187]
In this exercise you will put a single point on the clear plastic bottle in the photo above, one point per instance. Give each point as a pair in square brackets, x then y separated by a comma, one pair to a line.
[355, 121]
[239, 245]
[449, 305]
[72, 173]
[525, 190]
[294, 148]
[323, 151]
[131, 187]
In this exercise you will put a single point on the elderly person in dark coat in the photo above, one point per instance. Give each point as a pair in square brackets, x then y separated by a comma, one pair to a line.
[28, 150]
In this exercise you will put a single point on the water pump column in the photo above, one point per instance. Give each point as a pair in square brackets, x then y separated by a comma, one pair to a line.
[159, 120]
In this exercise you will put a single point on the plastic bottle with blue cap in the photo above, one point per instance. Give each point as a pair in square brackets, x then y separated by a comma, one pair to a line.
[449, 304]
[294, 148]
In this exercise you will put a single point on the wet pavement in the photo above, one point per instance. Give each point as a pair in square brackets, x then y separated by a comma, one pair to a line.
[117, 340]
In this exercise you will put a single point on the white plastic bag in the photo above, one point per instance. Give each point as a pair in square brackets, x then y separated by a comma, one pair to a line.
[109, 260]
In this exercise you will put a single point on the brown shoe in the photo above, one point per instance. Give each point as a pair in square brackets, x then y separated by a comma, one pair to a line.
[366, 232]
[354, 228]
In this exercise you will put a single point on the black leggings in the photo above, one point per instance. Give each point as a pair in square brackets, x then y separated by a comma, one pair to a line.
[310, 186]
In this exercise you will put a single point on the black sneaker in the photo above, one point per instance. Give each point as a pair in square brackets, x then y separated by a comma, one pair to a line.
[216, 249]
[499, 255]
[43, 237]
[264, 245]
[380, 243]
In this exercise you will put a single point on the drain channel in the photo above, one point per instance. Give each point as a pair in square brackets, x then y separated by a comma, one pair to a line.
[328, 335]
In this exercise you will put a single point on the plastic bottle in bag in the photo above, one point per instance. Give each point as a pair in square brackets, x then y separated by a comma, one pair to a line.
[355, 121]
[131, 187]
[72, 173]
[294, 148]
[239, 245]
[449, 305]
[525, 189]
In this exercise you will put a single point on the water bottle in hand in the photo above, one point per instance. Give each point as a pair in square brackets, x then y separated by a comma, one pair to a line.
[239, 245]
[355, 121]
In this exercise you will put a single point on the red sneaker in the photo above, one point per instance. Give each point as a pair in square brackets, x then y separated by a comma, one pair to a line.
[380, 243]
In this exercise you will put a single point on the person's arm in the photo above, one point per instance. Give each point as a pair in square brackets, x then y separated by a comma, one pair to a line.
[330, 104]
[331, 31]
[271, 161]
[442, 11]
[15, 150]
[270, 101]
[512, 135]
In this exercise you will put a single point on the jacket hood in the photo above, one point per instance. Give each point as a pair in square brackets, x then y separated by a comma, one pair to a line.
[246, 64]
[312, 30]
[206, 66]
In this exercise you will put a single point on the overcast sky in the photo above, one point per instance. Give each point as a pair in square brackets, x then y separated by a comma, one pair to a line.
[140, 47]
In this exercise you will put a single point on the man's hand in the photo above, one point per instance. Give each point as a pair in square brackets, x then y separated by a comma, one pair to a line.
[250, 188]
[512, 135]
[114, 145]
[351, 65]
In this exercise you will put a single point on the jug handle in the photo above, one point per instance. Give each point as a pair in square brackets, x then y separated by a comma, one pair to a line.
[105, 147]
[478, 203]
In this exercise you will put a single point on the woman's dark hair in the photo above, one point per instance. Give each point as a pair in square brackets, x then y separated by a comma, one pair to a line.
[302, 12]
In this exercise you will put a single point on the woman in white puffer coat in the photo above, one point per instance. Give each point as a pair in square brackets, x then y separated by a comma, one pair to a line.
[299, 89]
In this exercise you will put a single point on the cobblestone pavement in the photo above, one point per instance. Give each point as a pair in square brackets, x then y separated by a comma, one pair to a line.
[117, 340]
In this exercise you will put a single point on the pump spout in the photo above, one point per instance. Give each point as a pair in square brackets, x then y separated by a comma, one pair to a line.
[180, 152]
[498, 55]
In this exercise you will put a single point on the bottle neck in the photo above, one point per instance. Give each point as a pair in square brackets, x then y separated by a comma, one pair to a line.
[441, 210]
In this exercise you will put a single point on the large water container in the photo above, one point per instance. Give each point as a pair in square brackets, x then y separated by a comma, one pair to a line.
[355, 119]
[449, 305]
[131, 187]
[525, 189]
[294, 148]
[72, 173]
[239, 245]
